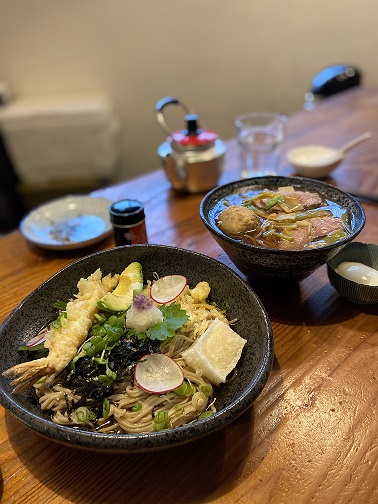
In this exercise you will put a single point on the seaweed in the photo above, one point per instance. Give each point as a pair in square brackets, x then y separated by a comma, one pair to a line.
[120, 359]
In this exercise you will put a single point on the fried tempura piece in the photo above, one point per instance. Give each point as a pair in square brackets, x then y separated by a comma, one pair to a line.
[64, 342]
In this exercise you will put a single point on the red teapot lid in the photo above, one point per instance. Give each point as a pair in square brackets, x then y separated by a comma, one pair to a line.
[194, 136]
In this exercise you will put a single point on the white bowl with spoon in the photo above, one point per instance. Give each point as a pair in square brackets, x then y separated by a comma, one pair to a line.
[318, 161]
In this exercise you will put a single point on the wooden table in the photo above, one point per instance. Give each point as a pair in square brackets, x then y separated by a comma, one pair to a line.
[311, 436]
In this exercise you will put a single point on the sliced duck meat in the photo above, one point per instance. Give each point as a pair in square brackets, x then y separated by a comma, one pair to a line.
[323, 226]
[291, 198]
[300, 238]
[309, 199]
[318, 228]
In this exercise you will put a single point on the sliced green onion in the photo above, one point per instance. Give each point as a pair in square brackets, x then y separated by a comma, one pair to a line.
[83, 414]
[56, 324]
[279, 198]
[258, 211]
[199, 401]
[284, 218]
[290, 210]
[60, 305]
[105, 407]
[334, 236]
[278, 235]
[105, 380]
[264, 194]
[206, 389]
[186, 389]
[161, 420]
[205, 414]
[314, 213]
[100, 317]
[136, 407]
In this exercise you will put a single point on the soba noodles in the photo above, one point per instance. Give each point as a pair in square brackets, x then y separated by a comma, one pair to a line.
[127, 408]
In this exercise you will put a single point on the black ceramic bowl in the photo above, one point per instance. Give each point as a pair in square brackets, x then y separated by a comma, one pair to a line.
[233, 397]
[262, 264]
[365, 253]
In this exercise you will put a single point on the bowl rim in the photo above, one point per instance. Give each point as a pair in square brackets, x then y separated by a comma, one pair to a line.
[257, 181]
[127, 443]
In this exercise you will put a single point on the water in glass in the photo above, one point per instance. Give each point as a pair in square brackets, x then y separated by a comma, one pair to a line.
[259, 150]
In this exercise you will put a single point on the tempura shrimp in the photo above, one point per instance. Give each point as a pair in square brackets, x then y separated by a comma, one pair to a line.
[64, 342]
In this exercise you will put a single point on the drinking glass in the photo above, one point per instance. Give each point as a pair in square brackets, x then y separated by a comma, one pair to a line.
[260, 136]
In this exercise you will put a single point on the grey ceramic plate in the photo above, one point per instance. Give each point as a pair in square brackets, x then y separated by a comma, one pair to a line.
[232, 399]
[68, 223]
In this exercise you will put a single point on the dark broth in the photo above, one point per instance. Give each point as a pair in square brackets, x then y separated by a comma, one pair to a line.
[334, 209]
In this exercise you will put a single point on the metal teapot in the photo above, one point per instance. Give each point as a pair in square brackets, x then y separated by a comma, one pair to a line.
[193, 157]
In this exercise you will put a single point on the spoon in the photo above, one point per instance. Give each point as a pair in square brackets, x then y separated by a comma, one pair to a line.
[318, 161]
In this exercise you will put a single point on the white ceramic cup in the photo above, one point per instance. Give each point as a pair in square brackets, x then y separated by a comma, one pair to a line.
[260, 136]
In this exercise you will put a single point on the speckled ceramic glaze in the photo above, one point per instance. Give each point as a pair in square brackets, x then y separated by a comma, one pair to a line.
[232, 399]
[262, 264]
[365, 253]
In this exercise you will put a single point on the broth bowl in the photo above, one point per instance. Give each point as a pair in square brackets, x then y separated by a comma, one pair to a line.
[263, 264]
[232, 398]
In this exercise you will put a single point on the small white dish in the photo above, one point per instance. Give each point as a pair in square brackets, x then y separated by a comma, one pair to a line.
[68, 223]
[314, 161]
[318, 161]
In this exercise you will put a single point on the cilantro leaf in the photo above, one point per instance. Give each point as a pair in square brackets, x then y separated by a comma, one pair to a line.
[174, 318]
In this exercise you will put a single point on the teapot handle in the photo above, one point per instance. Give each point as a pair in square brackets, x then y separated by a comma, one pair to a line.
[161, 104]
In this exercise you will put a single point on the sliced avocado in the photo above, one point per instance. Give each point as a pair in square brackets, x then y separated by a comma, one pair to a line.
[120, 299]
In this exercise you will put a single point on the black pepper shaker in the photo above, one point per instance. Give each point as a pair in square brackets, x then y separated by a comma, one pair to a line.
[127, 217]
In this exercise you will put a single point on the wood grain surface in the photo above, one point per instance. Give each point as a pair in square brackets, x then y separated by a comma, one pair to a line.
[312, 434]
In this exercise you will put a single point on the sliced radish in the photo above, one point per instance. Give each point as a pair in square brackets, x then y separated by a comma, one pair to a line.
[168, 288]
[157, 374]
[37, 340]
